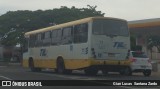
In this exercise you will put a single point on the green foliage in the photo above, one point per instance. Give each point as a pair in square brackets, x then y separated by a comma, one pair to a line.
[153, 41]
[24, 21]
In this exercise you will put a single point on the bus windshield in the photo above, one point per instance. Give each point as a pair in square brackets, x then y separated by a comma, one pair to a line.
[110, 27]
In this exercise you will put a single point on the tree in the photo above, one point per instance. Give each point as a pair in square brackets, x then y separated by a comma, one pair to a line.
[24, 20]
[153, 41]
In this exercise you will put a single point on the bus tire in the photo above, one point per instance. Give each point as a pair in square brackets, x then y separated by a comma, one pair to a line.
[91, 71]
[60, 66]
[32, 67]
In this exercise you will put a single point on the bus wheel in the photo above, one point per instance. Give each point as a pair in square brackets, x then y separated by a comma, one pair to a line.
[147, 72]
[31, 66]
[91, 71]
[60, 66]
[127, 71]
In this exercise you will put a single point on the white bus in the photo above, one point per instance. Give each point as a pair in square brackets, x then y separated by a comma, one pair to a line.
[90, 44]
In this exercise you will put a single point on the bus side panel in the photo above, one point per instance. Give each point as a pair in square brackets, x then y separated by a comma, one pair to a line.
[44, 57]
[25, 63]
[75, 56]
[77, 63]
[49, 63]
[80, 57]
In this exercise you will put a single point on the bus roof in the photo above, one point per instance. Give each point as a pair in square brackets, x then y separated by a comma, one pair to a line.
[85, 20]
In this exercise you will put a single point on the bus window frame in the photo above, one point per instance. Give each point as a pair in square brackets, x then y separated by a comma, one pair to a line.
[80, 35]
[67, 35]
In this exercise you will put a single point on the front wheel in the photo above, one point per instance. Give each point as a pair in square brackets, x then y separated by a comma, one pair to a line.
[147, 72]
[32, 67]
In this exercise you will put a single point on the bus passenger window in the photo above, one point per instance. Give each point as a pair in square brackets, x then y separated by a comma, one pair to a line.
[39, 42]
[47, 38]
[32, 40]
[81, 33]
[56, 36]
[67, 35]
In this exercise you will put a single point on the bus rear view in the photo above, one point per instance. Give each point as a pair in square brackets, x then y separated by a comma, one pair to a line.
[89, 44]
[110, 42]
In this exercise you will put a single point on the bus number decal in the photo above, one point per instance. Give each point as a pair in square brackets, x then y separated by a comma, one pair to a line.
[84, 50]
[43, 52]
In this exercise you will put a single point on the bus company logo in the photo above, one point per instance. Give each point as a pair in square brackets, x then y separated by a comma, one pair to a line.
[84, 50]
[119, 45]
[6, 83]
[43, 52]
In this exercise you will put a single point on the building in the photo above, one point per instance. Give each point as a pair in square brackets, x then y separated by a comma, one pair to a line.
[142, 29]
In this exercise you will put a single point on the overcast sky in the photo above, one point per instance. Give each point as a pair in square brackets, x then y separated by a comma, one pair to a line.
[125, 9]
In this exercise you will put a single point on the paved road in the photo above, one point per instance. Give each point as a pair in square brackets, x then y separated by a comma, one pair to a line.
[19, 73]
